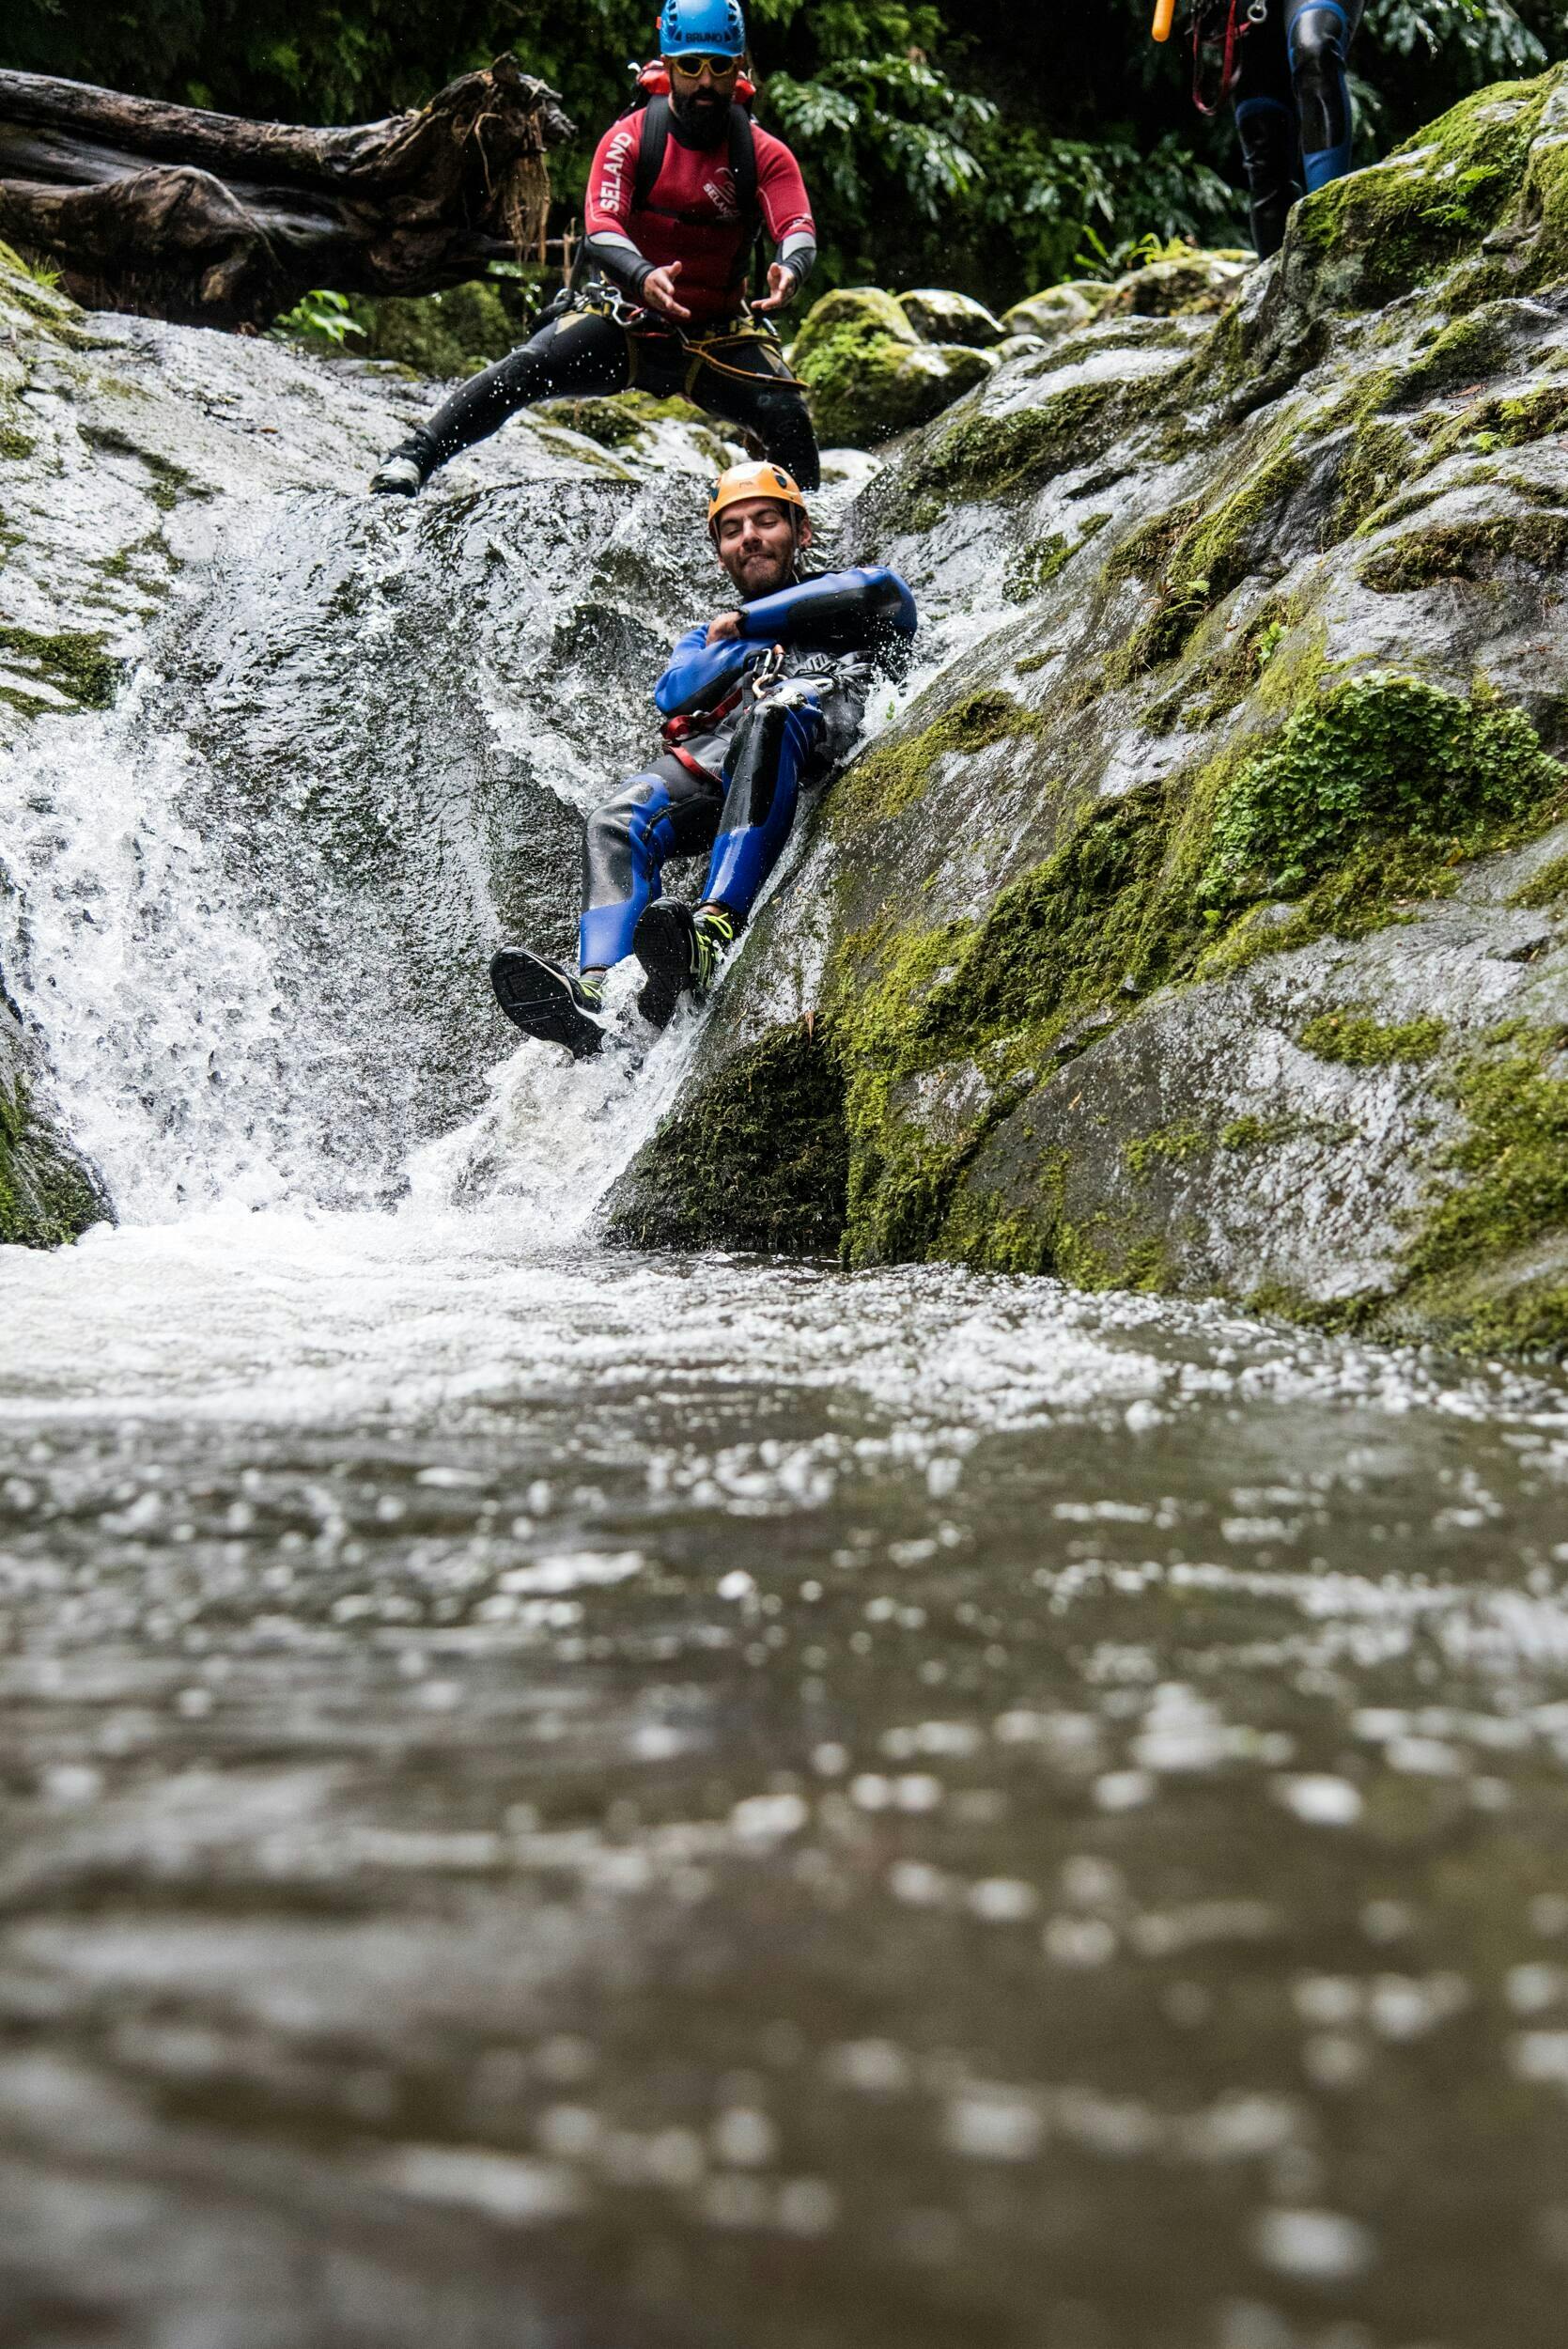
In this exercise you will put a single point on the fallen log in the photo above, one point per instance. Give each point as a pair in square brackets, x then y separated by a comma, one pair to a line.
[180, 213]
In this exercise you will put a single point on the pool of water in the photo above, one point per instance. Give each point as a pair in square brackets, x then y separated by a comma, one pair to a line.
[583, 1800]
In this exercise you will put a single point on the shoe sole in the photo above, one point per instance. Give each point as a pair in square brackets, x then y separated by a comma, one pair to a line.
[538, 1000]
[661, 943]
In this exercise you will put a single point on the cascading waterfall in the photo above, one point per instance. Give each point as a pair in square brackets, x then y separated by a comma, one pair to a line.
[255, 902]
[254, 905]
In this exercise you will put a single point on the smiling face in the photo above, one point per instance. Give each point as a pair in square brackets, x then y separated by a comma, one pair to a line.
[759, 540]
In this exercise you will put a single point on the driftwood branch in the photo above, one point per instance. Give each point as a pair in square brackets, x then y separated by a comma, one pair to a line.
[186, 215]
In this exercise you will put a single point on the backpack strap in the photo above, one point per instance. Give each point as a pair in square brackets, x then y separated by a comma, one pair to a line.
[743, 171]
[650, 151]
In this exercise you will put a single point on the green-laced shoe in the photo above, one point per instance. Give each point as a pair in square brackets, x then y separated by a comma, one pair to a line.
[680, 952]
[547, 1001]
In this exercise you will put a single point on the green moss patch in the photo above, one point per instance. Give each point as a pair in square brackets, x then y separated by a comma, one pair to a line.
[1472, 347]
[1252, 1132]
[1212, 557]
[1468, 551]
[891, 776]
[1548, 887]
[1360, 1041]
[1001, 456]
[759, 1161]
[1168, 1145]
[74, 665]
[1382, 761]
[1512, 1194]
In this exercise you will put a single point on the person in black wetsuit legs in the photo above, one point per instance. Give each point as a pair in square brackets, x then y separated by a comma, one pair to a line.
[758, 705]
[680, 190]
[1293, 107]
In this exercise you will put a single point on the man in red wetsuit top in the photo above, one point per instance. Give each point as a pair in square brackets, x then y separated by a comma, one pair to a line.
[680, 190]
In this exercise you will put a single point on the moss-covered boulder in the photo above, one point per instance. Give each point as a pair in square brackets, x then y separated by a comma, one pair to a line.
[940, 316]
[1192, 284]
[868, 375]
[47, 1194]
[1056, 311]
[1204, 926]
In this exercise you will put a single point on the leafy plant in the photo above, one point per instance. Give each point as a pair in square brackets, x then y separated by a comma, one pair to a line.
[321, 317]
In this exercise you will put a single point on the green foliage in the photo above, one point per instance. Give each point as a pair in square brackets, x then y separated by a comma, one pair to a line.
[985, 149]
[321, 317]
[1379, 757]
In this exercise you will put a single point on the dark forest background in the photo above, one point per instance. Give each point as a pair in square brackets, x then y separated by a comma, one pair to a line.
[991, 145]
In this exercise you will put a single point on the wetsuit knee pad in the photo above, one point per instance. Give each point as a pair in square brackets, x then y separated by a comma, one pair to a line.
[622, 852]
[1319, 45]
[782, 422]
[1266, 131]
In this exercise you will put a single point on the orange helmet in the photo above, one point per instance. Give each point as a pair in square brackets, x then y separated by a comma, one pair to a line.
[753, 481]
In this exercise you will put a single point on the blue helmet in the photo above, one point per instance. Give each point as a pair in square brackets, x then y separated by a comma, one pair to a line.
[713, 24]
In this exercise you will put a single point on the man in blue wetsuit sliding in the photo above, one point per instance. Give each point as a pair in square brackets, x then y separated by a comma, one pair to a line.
[759, 704]
[1293, 105]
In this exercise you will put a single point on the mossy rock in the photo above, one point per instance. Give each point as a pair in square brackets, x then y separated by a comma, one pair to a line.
[940, 316]
[619, 421]
[864, 390]
[47, 1196]
[759, 1161]
[1381, 232]
[1050, 314]
[860, 312]
[1194, 286]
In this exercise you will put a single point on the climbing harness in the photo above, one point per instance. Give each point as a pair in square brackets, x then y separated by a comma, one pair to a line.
[1218, 29]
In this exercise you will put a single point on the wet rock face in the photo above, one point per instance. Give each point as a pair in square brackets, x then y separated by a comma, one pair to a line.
[280, 763]
[1202, 922]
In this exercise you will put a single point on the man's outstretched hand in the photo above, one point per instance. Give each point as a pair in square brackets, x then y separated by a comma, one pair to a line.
[658, 292]
[783, 284]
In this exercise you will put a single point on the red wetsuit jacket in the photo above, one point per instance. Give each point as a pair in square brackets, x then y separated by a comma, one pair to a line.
[692, 214]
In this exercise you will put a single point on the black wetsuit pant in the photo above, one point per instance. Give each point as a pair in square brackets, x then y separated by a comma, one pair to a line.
[586, 355]
[1293, 107]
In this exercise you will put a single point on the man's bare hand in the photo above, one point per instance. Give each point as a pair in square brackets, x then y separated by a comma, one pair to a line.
[658, 292]
[783, 286]
[726, 629]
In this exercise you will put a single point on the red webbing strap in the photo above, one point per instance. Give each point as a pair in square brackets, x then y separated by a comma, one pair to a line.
[1234, 34]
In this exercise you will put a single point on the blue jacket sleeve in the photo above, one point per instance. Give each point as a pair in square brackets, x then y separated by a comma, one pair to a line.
[697, 670]
[841, 611]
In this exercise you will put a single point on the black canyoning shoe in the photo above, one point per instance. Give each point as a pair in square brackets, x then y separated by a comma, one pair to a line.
[664, 943]
[679, 951]
[400, 475]
[545, 999]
